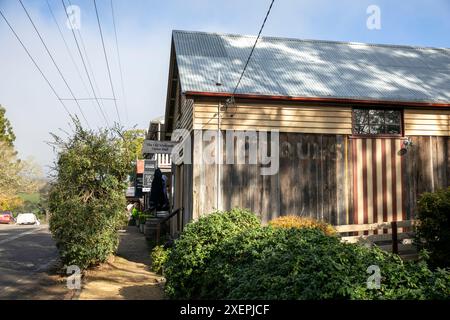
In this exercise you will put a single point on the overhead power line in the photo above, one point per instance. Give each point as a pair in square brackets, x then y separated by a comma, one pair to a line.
[84, 65]
[54, 62]
[107, 62]
[253, 48]
[35, 64]
[69, 51]
[119, 60]
[231, 99]
[84, 99]
[89, 65]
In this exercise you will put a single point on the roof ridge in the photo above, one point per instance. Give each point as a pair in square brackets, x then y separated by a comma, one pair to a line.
[446, 50]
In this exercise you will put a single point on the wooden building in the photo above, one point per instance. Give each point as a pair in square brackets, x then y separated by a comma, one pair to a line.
[363, 129]
[163, 161]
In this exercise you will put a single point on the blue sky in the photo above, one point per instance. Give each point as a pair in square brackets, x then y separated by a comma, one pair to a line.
[144, 30]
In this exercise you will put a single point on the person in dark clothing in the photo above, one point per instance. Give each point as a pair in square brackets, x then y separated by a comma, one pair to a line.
[158, 198]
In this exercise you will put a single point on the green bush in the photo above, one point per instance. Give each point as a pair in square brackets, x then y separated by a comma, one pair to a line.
[87, 199]
[311, 265]
[277, 263]
[159, 257]
[191, 253]
[433, 231]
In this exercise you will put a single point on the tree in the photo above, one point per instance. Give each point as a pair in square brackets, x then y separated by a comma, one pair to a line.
[134, 140]
[16, 176]
[87, 199]
[6, 131]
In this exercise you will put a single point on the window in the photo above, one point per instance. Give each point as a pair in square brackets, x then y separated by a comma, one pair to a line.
[377, 122]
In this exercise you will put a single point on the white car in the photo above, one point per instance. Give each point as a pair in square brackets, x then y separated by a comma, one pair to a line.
[27, 218]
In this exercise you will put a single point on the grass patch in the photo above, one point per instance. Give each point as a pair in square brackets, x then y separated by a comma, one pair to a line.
[30, 197]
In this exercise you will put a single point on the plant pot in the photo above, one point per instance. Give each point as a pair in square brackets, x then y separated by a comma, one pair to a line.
[150, 228]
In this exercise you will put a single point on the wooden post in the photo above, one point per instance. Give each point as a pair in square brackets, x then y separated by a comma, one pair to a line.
[178, 222]
[158, 232]
[394, 237]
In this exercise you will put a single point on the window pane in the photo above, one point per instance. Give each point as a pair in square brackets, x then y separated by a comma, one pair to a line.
[376, 121]
[393, 129]
[393, 117]
[362, 129]
[376, 116]
[361, 116]
[377, 129]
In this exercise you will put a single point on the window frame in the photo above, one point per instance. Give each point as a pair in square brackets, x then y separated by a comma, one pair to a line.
[382, 135]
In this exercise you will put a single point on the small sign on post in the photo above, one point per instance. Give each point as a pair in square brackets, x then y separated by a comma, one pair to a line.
[130, 192]
[147, 177]
[160, 147]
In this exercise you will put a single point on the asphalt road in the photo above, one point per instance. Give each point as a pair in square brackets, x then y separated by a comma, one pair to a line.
[27, 253]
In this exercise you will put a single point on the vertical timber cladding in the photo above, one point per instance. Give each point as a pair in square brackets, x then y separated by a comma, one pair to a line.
[314, 177]
[427, 168]
[312, 180]
[378, 166]
[319, 175]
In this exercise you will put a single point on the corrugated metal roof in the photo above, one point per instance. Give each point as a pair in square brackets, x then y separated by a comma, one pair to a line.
[311, 68]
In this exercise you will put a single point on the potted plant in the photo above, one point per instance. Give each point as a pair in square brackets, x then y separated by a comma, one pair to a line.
[142, 219]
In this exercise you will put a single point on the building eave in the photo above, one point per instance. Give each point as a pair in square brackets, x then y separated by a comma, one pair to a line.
[367, 102]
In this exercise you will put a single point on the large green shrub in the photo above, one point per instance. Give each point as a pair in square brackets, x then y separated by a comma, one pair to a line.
[191, 253]
[277, 263]
[269, 263]
[433, 232]
[87, 199]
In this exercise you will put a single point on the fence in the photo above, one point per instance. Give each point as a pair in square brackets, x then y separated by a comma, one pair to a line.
[385, 235]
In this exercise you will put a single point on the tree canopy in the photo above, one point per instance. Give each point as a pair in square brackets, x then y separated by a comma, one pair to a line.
[87, 200]
[6, 132]
[16, 176]
[134, 140]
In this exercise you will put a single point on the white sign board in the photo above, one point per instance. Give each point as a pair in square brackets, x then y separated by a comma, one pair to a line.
[161, 147]
[146, 189]
[147, 179]
[130, 192]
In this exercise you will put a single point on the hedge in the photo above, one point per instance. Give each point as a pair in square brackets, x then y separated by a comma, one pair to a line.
[433, 231]
[231, 256]
[192, 251]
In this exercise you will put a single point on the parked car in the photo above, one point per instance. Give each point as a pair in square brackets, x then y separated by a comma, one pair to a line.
[27, 218]
[6, 217]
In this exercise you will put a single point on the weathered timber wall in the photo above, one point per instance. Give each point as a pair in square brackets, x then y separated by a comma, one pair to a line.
[315, 178]
[420, 122]
[426, 168]
[286, 118]
[311, 181]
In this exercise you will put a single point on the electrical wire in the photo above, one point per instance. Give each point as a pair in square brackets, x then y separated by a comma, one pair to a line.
[107, 62]
[36, 64]
[119, 60]
[84, 65]
[253, 48]
[68, 50]
[231, 99]
[54, 62]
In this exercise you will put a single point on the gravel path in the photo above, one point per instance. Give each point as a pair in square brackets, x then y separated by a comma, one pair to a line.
[127, 276]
